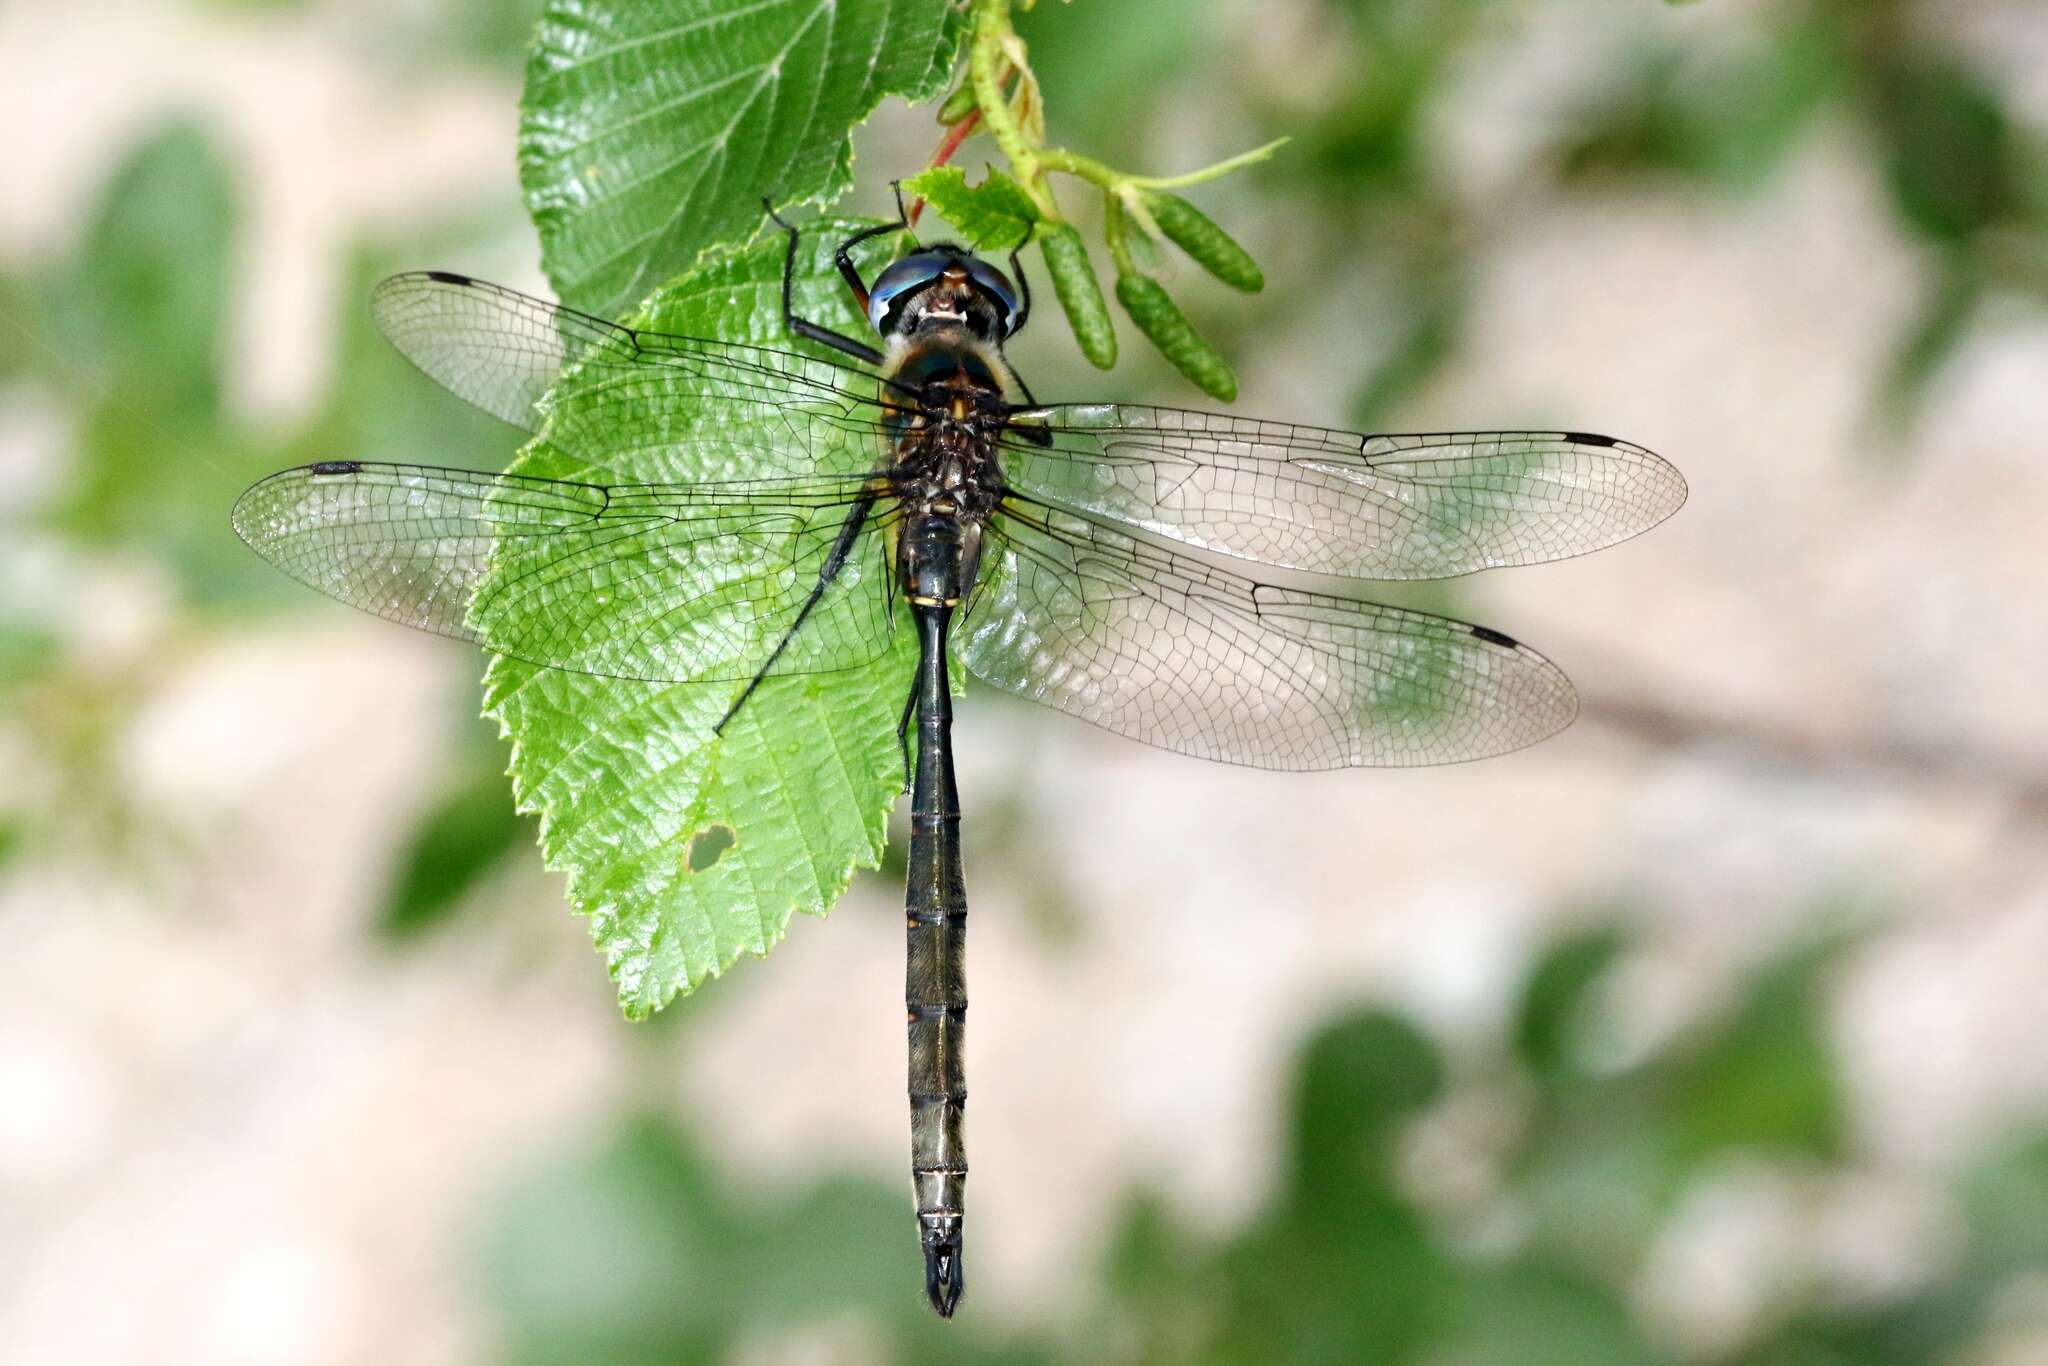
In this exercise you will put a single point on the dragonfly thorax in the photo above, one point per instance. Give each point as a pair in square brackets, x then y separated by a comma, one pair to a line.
[947, 482]
[945, 476]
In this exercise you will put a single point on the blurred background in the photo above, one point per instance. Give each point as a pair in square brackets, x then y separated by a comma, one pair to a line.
[1715, 1030]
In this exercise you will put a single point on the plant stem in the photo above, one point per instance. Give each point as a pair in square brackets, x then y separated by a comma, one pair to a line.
[1113, 230]
[985, 57]
[1221, 168]
[1086, 167]
[955, 135]
[994, 51]
[1117, 184]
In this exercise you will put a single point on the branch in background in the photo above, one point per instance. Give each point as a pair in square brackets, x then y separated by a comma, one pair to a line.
[2021, 782]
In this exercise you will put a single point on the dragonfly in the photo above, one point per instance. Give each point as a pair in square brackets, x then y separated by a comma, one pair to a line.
[1108, 560]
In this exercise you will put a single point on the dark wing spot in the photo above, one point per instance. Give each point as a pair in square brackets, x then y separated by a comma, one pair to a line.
[339, 467]
[708, 846]
[1589, 439]
[449, 277]
[1493, 637]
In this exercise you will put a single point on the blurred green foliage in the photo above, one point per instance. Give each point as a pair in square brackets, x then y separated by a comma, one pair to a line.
[643, 1250]
[461, 836]
[1682, 98]
[134, 326]
[127, 334]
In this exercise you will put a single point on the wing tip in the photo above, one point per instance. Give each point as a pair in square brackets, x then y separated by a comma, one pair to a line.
[1663, 484]
[393, 290]
[1548, 715]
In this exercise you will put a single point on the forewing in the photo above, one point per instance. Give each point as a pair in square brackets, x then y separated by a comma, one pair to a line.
[752, 412]
[666, 583]
[1081, 616]
[1423, 506]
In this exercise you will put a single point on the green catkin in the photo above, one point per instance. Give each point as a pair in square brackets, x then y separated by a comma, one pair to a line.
[958, 105]
[1212, 248]
[1080, 293]
[1160, 319]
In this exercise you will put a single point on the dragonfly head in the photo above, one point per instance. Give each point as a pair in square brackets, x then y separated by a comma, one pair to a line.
[943, 286]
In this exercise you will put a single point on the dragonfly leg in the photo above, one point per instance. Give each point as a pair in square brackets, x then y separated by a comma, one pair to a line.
[1023, 283]
[1034, 435]
[804, 327]
[843, 258]
[849, 531]
[903, 731]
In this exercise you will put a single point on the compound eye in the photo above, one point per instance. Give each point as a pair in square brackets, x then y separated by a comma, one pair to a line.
[998, 287]
[906, 276]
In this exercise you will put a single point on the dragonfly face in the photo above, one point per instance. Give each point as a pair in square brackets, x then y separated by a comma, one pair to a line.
[943, 285]
[1103, 559]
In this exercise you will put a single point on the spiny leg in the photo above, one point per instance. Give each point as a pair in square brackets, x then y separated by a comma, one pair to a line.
[843, 258]
[804, 327]
[849, 532]
[903, 731]
[1023, 282]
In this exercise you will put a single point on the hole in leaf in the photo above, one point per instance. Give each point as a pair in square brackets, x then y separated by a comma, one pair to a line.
[708, 846]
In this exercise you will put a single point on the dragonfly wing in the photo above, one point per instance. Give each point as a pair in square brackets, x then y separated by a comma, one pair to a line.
[1423, 506]
[602, 391]
[665, 583]
[1079, 615]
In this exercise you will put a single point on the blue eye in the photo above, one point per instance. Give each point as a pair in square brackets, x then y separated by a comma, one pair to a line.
[923, 268]
[998, 285]
[912, 272]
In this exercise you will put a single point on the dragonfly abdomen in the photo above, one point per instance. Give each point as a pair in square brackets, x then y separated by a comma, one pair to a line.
[935, 974]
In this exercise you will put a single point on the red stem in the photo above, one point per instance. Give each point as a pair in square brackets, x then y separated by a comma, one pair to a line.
[955, 135]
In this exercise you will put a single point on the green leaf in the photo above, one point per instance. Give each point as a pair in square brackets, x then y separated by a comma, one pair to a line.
[1725, 114]
[614, 1255]
[1362, 1074]
[1952, 298]
[146, 299]
[1765, 1078]
[684, 848]
[1946, 140]
[995, 215]
[458, 840]
[138, 318]
[651, 129]
[1555, 993]
[639, 1250]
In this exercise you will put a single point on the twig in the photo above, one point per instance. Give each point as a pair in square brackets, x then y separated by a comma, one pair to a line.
[950, 144]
